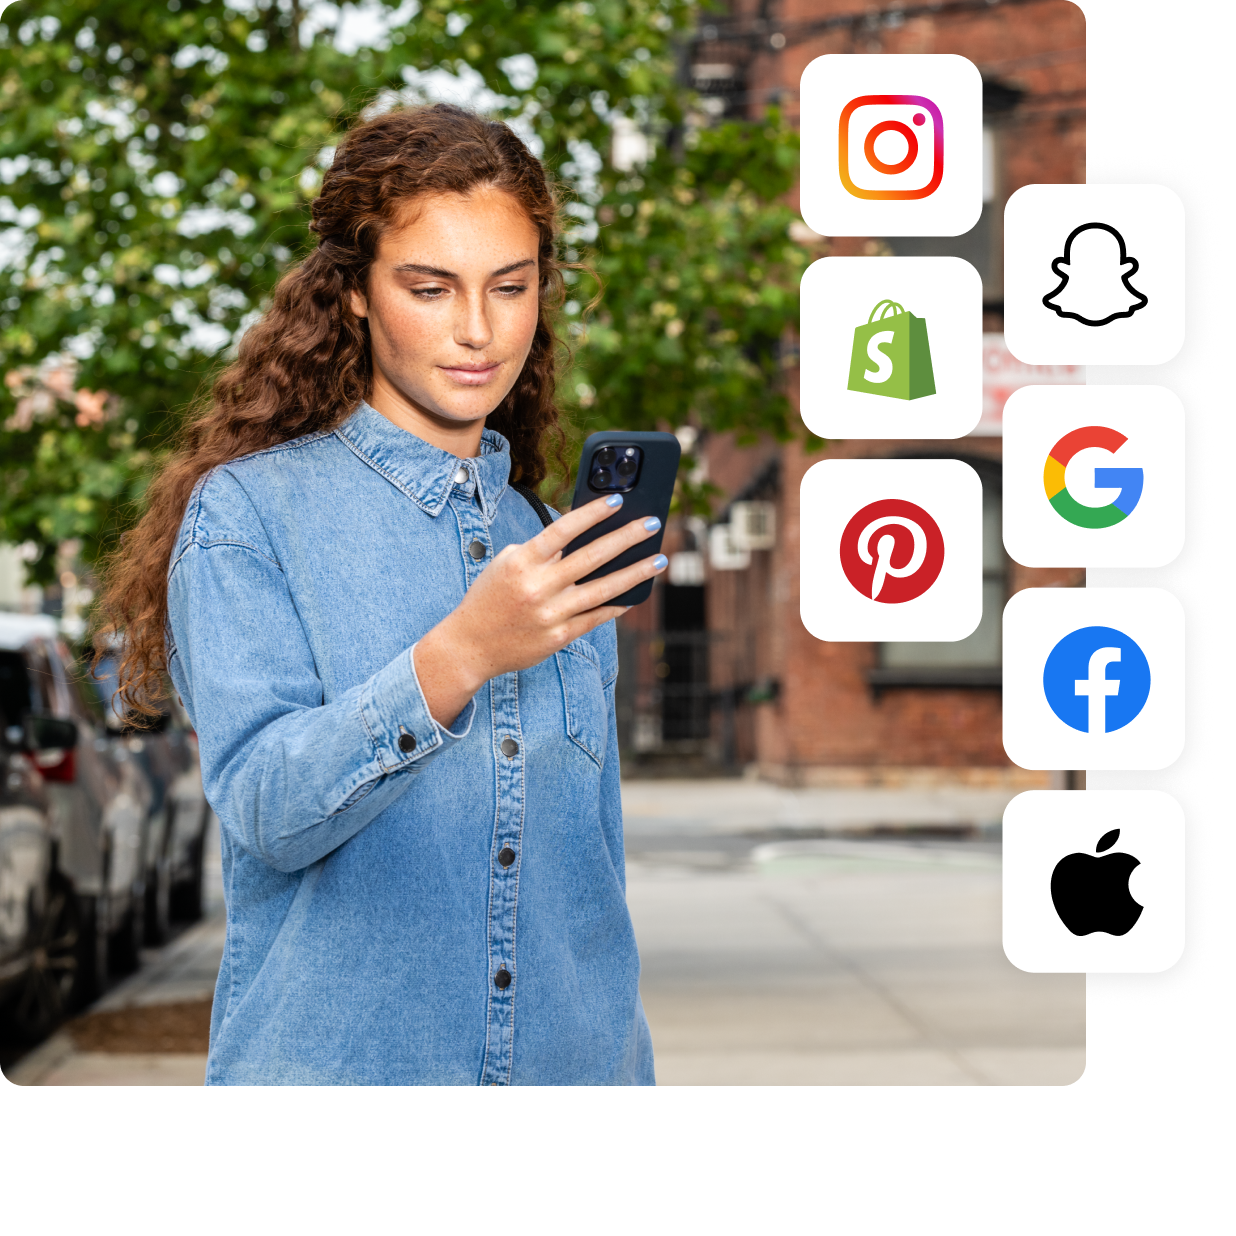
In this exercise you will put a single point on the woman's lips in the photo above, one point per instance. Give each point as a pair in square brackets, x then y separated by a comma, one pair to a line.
[471, 376]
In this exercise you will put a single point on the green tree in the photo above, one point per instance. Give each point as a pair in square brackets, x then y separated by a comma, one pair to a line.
[156, 161]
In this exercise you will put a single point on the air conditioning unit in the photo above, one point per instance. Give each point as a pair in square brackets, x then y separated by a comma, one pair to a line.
[646, 732]
[686, 569]
[754, 525]
[723, 554]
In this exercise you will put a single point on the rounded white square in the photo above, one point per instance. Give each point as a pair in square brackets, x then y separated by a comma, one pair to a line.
[891, 347]
[892, 549]
[1094, 476]
[1094, 881]
[1093, 678]
[1094, 274]
[892, 145]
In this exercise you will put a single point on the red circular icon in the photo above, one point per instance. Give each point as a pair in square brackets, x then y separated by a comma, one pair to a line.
[892, 551]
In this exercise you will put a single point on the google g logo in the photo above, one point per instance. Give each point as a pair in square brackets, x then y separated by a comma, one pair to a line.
[1127, 480]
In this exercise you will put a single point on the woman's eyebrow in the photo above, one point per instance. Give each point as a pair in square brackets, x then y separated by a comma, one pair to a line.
[436, 272]
[414, 268]
[514, 266]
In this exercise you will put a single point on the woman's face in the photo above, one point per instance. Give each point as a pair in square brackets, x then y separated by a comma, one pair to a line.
[452, 306]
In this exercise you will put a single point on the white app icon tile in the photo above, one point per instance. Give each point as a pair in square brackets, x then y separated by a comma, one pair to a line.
[892, 145]
[1094, 274]
[1093, 678]
[891, 347]
[1094, 476]
[1094, 881]
[892, 549]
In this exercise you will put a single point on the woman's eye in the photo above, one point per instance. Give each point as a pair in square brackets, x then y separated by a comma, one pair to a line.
[429, 293]
[512, 289]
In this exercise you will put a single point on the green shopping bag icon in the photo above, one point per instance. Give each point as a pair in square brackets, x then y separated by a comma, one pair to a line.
[891, 355]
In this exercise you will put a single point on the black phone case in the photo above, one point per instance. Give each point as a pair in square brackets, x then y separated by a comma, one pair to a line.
[651, 496]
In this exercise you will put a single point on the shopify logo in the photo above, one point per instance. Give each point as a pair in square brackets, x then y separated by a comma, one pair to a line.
[1127, 480]
[1096, 680]
[891, 355]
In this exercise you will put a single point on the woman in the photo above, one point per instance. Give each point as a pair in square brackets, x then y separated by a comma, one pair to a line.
[404, 701]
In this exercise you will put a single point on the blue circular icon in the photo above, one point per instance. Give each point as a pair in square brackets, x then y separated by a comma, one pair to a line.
[1096, 680]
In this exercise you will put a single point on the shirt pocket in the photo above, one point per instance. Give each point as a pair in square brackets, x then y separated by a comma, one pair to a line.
[584, 698]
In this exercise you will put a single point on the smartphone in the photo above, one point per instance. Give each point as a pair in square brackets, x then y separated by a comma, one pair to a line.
[642, 467]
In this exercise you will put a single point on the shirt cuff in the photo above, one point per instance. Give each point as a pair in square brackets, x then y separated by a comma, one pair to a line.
[397, 717]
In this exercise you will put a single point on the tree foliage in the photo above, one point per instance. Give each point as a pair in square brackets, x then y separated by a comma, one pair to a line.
[156, 161]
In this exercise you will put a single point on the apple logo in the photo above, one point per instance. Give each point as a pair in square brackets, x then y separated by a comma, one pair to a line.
[1092, 894]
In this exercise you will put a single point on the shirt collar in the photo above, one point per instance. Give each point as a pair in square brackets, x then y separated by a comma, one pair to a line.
[423, 472]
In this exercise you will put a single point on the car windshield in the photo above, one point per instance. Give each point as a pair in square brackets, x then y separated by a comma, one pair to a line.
[14, 688]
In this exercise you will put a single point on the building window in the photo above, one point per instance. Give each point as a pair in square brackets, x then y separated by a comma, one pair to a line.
[975, 660]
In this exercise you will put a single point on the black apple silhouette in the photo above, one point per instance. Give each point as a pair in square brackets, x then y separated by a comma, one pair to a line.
[1092, 894]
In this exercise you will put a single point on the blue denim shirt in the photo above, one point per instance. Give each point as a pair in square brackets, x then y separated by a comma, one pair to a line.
[381, 870]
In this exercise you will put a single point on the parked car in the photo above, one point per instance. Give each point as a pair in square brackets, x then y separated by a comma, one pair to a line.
[101, 830]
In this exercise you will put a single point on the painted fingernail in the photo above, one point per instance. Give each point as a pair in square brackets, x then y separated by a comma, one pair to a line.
[614, 500]
[652, 523]
[660, 562]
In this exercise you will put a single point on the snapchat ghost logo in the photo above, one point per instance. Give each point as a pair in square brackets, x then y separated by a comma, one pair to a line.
[1094, 275]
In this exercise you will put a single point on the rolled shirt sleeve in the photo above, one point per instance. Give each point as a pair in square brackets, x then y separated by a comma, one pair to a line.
[394, 710]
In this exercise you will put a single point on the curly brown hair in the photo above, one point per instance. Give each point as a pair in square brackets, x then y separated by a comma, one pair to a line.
[306, 365]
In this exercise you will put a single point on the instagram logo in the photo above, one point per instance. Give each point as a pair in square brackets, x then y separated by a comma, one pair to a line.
[891, 147]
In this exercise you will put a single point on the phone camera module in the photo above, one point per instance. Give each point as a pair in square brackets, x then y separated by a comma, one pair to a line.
[615, 469]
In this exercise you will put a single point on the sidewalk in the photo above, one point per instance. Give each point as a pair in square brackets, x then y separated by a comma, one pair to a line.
[167, 1000]
[784, 940]
[719, 807]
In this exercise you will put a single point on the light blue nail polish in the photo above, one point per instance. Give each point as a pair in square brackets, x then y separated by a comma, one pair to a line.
[652, 524]
[660, 562]
[614, 500]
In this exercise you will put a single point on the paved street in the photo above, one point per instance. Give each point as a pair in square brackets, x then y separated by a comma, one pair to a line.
[809, 937]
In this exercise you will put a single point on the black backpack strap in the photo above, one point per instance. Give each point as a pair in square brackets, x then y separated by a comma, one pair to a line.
[542, 511]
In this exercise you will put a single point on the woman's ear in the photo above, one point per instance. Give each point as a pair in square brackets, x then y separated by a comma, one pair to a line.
[358, 303]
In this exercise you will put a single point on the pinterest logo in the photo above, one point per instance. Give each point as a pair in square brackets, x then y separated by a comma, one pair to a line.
[892, 551]
[865, 553]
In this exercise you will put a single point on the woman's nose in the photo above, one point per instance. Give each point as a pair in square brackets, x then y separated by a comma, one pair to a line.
[472, 327]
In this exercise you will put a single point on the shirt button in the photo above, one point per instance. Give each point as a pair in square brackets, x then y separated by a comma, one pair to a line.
[509, 748]
[461, 476]
[407, 742]
[477, 550]
[506, 856]
[502, 980]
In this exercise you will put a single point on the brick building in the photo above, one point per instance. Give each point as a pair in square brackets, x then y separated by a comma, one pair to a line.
[719, 670]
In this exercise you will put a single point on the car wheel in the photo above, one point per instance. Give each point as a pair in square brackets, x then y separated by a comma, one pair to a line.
[54, 984]
[92, 955]
[187, 895]
[158, 903]
[126, 943]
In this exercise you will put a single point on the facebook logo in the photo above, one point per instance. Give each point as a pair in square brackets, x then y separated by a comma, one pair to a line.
[1096, 680]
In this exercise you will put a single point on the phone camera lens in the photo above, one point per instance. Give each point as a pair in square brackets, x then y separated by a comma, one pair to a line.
[626, 467]
[602, 478]
[604, 457]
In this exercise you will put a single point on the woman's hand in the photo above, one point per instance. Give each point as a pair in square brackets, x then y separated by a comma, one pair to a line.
[526, 605]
